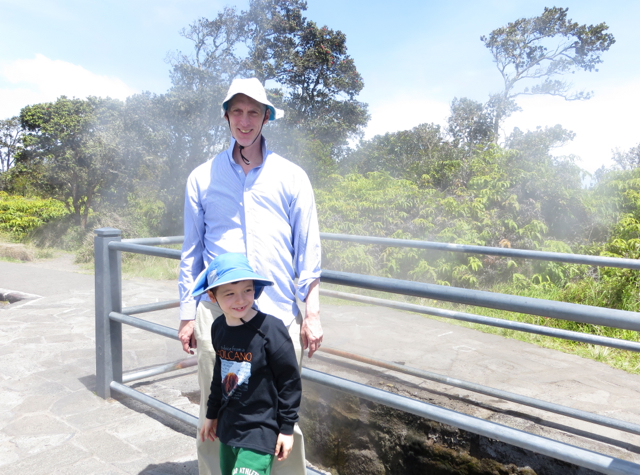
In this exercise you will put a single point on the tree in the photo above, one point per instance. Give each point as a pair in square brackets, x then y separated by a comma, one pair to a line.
[273, 41]
[553, 185]
[537, 50]
[627, 160]
[10, 142]
[421, 155]
[470, 124]
[73, 149]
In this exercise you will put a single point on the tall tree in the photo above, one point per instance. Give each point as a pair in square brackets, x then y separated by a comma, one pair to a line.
[535, 52]
[73, 147]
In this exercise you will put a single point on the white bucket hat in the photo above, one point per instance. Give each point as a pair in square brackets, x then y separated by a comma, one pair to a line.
[253, 88]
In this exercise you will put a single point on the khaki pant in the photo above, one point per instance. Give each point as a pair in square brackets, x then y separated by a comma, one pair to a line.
[208, 452]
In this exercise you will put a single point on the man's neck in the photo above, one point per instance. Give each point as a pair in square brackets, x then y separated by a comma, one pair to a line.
[253, 153]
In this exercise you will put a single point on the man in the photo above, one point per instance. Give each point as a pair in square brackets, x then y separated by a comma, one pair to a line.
[252, 201]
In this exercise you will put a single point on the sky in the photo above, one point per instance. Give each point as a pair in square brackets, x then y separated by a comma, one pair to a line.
[415, 57]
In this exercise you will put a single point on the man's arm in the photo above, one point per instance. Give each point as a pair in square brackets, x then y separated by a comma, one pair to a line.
[191, 263]
[311, 329]
[304, 223]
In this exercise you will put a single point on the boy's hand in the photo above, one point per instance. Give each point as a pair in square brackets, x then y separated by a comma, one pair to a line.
[284, 446]
[208, 430]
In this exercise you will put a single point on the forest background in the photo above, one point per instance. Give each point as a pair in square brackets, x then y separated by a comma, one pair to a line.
[70, 166]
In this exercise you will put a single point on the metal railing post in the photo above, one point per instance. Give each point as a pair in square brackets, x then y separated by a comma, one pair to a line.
[108, 297]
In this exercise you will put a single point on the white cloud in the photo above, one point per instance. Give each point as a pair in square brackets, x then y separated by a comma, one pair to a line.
[403, 113]
[31, 81]
[603, 123]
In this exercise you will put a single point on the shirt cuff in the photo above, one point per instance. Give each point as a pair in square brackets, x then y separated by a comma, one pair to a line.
[286, 429]
[188, 310]
[304, 282]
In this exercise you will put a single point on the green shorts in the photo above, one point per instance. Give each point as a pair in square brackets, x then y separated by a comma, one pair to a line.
[239, 461]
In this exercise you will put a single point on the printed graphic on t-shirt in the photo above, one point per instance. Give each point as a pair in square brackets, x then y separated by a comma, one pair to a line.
[235, 378]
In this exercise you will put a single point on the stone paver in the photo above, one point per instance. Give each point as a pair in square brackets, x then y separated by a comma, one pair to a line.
[51, 421]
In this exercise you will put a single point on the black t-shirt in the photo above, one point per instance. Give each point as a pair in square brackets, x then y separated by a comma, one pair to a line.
[256, 387]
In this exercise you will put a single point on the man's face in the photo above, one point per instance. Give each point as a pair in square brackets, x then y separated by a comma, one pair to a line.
[246, 117]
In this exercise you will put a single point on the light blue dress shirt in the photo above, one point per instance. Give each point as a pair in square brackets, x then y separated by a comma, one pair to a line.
[268, 214]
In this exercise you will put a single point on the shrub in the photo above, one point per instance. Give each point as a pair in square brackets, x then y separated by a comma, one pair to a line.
[20, 215]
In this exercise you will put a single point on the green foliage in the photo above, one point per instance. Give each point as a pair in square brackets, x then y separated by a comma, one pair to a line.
[484, 213]
[19, 216]
[420, 155]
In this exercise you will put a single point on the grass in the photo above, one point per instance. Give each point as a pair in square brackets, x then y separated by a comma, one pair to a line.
[137, 266]
[150, 267]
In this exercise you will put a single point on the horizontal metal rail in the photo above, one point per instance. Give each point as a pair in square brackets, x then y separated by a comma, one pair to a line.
[151, 307]
[156, 241]
[491, 321]
[144, 325]
[153, 402]
[601, 261]
[551, 448]
[491, 251]
[545, 308]
[146, 250]
[487, 391]
[160, 369]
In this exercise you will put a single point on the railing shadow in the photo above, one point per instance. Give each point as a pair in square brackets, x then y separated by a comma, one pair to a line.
[172, 468]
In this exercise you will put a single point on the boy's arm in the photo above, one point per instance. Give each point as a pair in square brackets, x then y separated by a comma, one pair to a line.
[284, 367]
[215, 398]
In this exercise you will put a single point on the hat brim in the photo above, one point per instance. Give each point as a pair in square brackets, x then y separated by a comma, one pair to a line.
[200, 285]
[275, 112]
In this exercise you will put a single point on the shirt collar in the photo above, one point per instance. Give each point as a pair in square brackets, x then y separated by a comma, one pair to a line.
[265, 152]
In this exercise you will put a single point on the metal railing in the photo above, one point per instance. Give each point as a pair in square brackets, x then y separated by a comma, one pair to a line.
[110, 316]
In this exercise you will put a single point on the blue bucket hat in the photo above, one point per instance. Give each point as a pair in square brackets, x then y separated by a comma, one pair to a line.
[226, 269]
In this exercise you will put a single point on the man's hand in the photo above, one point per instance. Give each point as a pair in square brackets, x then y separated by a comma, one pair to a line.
[187, 336]
[283, 446]
[311, 329]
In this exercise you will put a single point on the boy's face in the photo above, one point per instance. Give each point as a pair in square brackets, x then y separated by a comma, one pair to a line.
[235, 300]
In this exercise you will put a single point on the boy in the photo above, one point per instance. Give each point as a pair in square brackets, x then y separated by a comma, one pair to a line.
[256, 388]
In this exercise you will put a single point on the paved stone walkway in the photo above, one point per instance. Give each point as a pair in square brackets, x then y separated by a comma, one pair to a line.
[51, 421]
